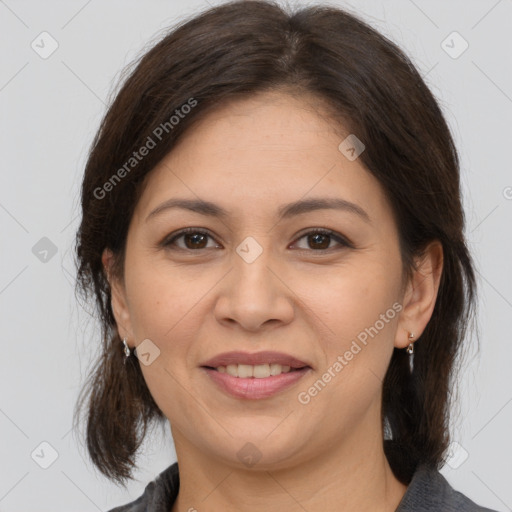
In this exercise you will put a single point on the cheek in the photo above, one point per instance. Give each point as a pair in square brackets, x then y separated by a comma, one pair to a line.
[162, 295]
[165, 307]
[356, 317]
[356, 321]
[348, 299]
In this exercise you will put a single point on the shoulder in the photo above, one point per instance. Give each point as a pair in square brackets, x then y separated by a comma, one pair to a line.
[158, 496]
[429, 491]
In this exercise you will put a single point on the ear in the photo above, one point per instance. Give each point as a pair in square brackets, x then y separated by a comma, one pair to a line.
[118, 298]
[420, 295]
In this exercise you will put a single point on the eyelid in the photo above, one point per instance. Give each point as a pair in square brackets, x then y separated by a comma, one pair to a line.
[338, 237]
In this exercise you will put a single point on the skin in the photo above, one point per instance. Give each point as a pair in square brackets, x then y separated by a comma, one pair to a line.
[250, 157]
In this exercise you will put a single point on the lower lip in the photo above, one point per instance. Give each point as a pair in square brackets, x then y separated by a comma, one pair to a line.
[255, 389]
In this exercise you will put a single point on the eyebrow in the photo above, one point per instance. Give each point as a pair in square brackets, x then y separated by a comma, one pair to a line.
[284, 212]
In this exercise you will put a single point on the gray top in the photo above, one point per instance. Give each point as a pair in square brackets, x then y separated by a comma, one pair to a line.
[428, 491]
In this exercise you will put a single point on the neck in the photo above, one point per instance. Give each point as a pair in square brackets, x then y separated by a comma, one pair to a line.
[353, 476]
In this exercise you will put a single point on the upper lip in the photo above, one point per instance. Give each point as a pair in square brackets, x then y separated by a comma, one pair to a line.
[254, 358]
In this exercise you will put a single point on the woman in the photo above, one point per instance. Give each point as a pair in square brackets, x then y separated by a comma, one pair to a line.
[273, 232]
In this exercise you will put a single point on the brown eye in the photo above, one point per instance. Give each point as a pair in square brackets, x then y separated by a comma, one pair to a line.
[193, 239]
[321, 239]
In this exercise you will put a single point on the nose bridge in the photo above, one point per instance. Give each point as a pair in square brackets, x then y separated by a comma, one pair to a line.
[253, 294]
[251, 261]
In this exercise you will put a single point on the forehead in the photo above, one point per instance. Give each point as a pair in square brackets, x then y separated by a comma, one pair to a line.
[259, 153]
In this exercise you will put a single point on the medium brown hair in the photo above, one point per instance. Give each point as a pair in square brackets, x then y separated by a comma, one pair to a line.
[237, 50]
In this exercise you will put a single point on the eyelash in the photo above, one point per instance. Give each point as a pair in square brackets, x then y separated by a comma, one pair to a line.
[344, 242]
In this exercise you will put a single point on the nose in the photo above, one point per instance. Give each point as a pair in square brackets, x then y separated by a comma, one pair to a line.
[255, 294]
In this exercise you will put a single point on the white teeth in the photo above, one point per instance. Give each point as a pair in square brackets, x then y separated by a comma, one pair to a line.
[276, 369]
[232, 369]
[245, 370]
[261, 371]
[258, 371]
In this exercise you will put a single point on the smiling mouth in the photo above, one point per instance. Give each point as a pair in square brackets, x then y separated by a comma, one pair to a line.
[254, 382]
[258, 371]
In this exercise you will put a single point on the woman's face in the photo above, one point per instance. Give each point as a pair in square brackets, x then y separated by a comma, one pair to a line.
[255, 280]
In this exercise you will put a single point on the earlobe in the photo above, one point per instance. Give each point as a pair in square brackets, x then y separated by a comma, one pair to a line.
[421, 294]
[118, 297]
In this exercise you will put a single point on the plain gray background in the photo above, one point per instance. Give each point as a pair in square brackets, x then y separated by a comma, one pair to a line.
[50, 110]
